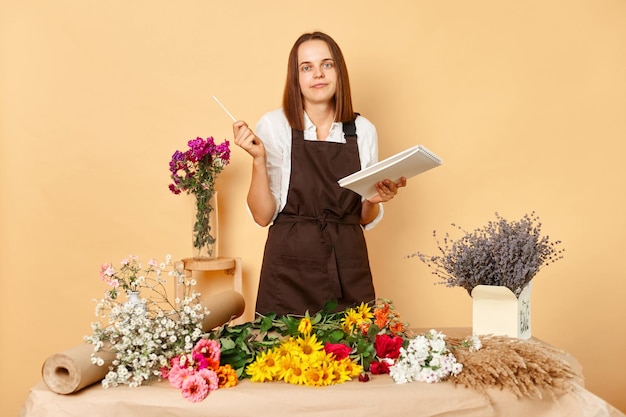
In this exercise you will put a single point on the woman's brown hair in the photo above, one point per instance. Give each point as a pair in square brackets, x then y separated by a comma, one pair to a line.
[292, 96]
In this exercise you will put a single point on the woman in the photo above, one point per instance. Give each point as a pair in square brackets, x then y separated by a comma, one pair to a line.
[315, 250]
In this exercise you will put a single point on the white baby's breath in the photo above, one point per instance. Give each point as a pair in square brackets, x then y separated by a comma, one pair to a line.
[147, 335]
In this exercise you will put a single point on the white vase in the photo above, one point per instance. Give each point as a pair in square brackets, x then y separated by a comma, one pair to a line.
[133, 300]
[496, 310]
[204, 226]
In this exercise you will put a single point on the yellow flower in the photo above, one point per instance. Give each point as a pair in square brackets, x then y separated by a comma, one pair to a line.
[327, 371]
[264, 368]
[350, 320]
[313, 376]
[305, 326]
[339, 374]
[350, 368]
[365, 311]
[284, 363]
[296, 374]
[288, 347]
[358, 317]
[309, 345]
[314, 359]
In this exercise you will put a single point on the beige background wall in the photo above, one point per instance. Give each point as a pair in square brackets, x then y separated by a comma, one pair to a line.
[524, 100]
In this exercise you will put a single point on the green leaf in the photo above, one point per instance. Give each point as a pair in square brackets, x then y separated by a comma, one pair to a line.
[291, 325]
[330, 306]
[246, 349]
[316, 319]
[239, 372]
[227, 344]
[373, 331]
[336, 336]
[266, 324]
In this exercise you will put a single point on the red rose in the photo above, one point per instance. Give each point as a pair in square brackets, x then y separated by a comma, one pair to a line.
[379, 368]
[340, 350]
[388, 346]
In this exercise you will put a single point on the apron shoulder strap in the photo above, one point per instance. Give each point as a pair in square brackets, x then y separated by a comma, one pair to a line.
[349, 128]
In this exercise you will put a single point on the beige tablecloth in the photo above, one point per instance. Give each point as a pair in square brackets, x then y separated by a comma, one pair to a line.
[380, 397]
[377, 398]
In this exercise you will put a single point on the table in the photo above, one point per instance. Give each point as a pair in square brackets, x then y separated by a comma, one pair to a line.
[380, 397]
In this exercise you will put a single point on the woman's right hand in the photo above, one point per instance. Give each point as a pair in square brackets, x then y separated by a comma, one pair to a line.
[247, 140]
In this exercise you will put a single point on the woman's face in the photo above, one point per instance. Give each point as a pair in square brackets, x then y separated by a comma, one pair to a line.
[316, 72]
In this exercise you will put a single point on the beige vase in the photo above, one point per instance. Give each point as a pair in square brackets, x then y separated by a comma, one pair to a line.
[496, 310]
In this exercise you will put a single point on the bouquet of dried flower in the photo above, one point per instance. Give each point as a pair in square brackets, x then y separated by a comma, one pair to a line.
[503, 253]
[525, 367]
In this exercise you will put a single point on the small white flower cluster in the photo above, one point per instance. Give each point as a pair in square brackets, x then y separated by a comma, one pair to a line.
[426, 358]
[144, 336]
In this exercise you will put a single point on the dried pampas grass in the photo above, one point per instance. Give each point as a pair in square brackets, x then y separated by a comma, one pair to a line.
[527, 368]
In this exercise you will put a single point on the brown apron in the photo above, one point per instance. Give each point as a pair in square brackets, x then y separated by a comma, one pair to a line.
[315, 249]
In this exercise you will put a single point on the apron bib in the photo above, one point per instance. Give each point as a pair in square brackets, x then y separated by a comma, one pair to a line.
[316, 250]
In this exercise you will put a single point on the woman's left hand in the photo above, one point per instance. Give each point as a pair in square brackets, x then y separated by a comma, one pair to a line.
[387, 190]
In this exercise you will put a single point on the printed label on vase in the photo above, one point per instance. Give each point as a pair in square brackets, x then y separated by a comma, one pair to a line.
[204, 223]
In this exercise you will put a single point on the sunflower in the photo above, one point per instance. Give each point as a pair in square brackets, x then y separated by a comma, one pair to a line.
[314, 376]
[327, 372]
[357, 317]
[309, 344]
[296, 374]
[265, 367]
[339, 373]
[365, 311]
[350, 368]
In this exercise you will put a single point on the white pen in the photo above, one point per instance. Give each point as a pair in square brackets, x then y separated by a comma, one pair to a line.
[225, 109]
[230, 115]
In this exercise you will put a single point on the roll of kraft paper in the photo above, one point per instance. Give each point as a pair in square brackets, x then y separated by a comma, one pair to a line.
[70, 371]
[223, 307]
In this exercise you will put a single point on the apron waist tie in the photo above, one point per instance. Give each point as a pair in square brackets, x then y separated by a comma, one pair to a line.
[327, 216]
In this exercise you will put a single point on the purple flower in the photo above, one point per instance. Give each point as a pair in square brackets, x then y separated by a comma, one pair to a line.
[503, 253]
[195, 169]
[194, 172]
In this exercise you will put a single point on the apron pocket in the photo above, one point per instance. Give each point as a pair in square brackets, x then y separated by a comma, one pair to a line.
[301, 284]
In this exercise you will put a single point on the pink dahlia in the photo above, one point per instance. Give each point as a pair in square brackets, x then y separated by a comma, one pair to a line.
[195, 388]
[178, 376]
[210, 349]
[211, 378]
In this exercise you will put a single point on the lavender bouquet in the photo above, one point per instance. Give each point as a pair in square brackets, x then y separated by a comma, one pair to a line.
[502, 253]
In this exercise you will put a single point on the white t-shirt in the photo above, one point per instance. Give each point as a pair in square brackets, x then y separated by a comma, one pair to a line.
[275, 132]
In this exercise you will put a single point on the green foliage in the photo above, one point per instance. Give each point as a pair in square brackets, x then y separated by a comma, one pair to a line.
[241, 343]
